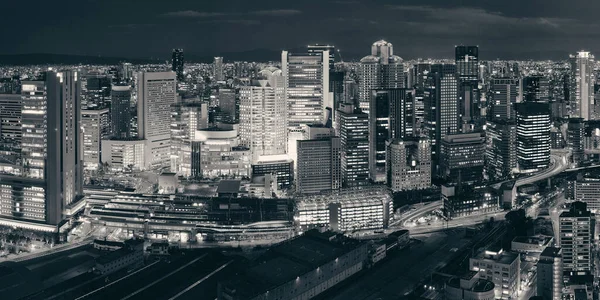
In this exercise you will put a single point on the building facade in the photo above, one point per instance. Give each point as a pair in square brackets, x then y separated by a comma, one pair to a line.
[319, 165]
[96, 127]
[354, 137]
[408, 164]
[533, 136]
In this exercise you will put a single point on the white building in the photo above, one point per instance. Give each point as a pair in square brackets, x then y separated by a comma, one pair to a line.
[582, 85]
[500, 267]
[96, 127]
[124, 154]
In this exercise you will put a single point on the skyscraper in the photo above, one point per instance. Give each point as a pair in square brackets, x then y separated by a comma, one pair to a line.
[575, 237]
[229, 104]
[10, 118]
[381, 69]
[307, 87]
[467, 62]
[187, 117]
[51, 151]
[535, 88]
[441, 105]
[318, 165]
[550, 274]
[120, 111]
[576, 139]
[156, 93]
[354, 136]
[408, 164]
[581, 94]
[500, 149]
[504, 97]
[533, 136]
[318, 48]
[177, 63]
[96, 127]
[462, 157]
[263, 115]
[392, 116]
[218, 69]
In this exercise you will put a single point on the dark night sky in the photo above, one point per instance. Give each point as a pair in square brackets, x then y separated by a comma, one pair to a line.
[521, 29]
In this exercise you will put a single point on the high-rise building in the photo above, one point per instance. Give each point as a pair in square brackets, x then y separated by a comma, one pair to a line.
[354, 136]
[221, 154]
[177, 63]
[10, 118]
[120, 112]
[408, 164]
[317, 48]
[576, 139]
[218, 69]
[156, 93]
[576, 237]
[51, 153]
[500, 149]
[441, 106]
[550, 274]
[263, 118]
[467, 62]
[419, 73]
[96, 127]
[469, 109]
[229, 103]
[581, 94]
[392, 116]
[462, 157]
[533, 136]
[97, 91]
[307, 87]
[380, 70]
[186, 119]
[319, 167]
[535, 88]
[504, 97]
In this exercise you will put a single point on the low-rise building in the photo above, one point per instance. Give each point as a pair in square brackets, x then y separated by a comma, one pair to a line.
[501, 267]
[105, 245]
[130, 256]
[531, 244]
[465, 201]
[469, 286]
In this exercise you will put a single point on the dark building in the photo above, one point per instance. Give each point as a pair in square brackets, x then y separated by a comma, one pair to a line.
[575, 139]
[177, 63]
[318, 165]
[283, 169]
[97, 92]
[550, 274]
[460, 201]
[462, 158]
[441, 106]
[500, 149]
[229, 104]
[467, 62]
[533, 136]
[301, 268]
[504, 97]
[392, 117]
[469, 106]
[317, 48]
[535, 88]
[120, 112]
[354, 137]
[576, 238]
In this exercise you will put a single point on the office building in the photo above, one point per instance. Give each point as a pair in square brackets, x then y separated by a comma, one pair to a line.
[96, 127]
[500, 149]
[291, 271]
[319, 49]
[581, 93]
[124, 154]
[469, 109]
[177, 64]
[550, 274]
[280, 166]
[469, 286]
[218, 69]
[51, 154]
[120, 112]
[10, 118]
[501, 267]
[306, 82]
[576, 233]
[533, 136]
[221, 154]
[319, 168]
[504, 97]
[392, 116]
[460, 200]
[587, 189]
[187, 117]
[263, 115]
[354, 136]
[576, 139]
[408, 164]
[441, 106]
[380, 70]
[467, 62]
[156, 93]
[229, 104]
[462, 157]
[535, 88]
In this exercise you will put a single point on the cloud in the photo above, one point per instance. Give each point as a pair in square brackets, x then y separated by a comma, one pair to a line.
[201, 14]
[131, 26]
[193, 14]
[232, 21]
[345, 2]
[276, 12]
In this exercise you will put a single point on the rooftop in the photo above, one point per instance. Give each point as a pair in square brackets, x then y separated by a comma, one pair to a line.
[229, 186]
[551, 252]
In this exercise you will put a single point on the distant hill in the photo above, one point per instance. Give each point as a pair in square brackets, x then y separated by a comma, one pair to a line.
[65, 59]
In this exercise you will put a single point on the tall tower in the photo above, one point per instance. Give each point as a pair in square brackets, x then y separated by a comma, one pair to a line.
[354, 136]
[120, 111]
[51, 143]
[533, 136]
[218, 69]
[576, 237]
[467, 62]
[535, 88]
[504, 97]
[582, 85]
[381, 69]
[263, 115]
[177, 63]
[156, 93]
[307, 87]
